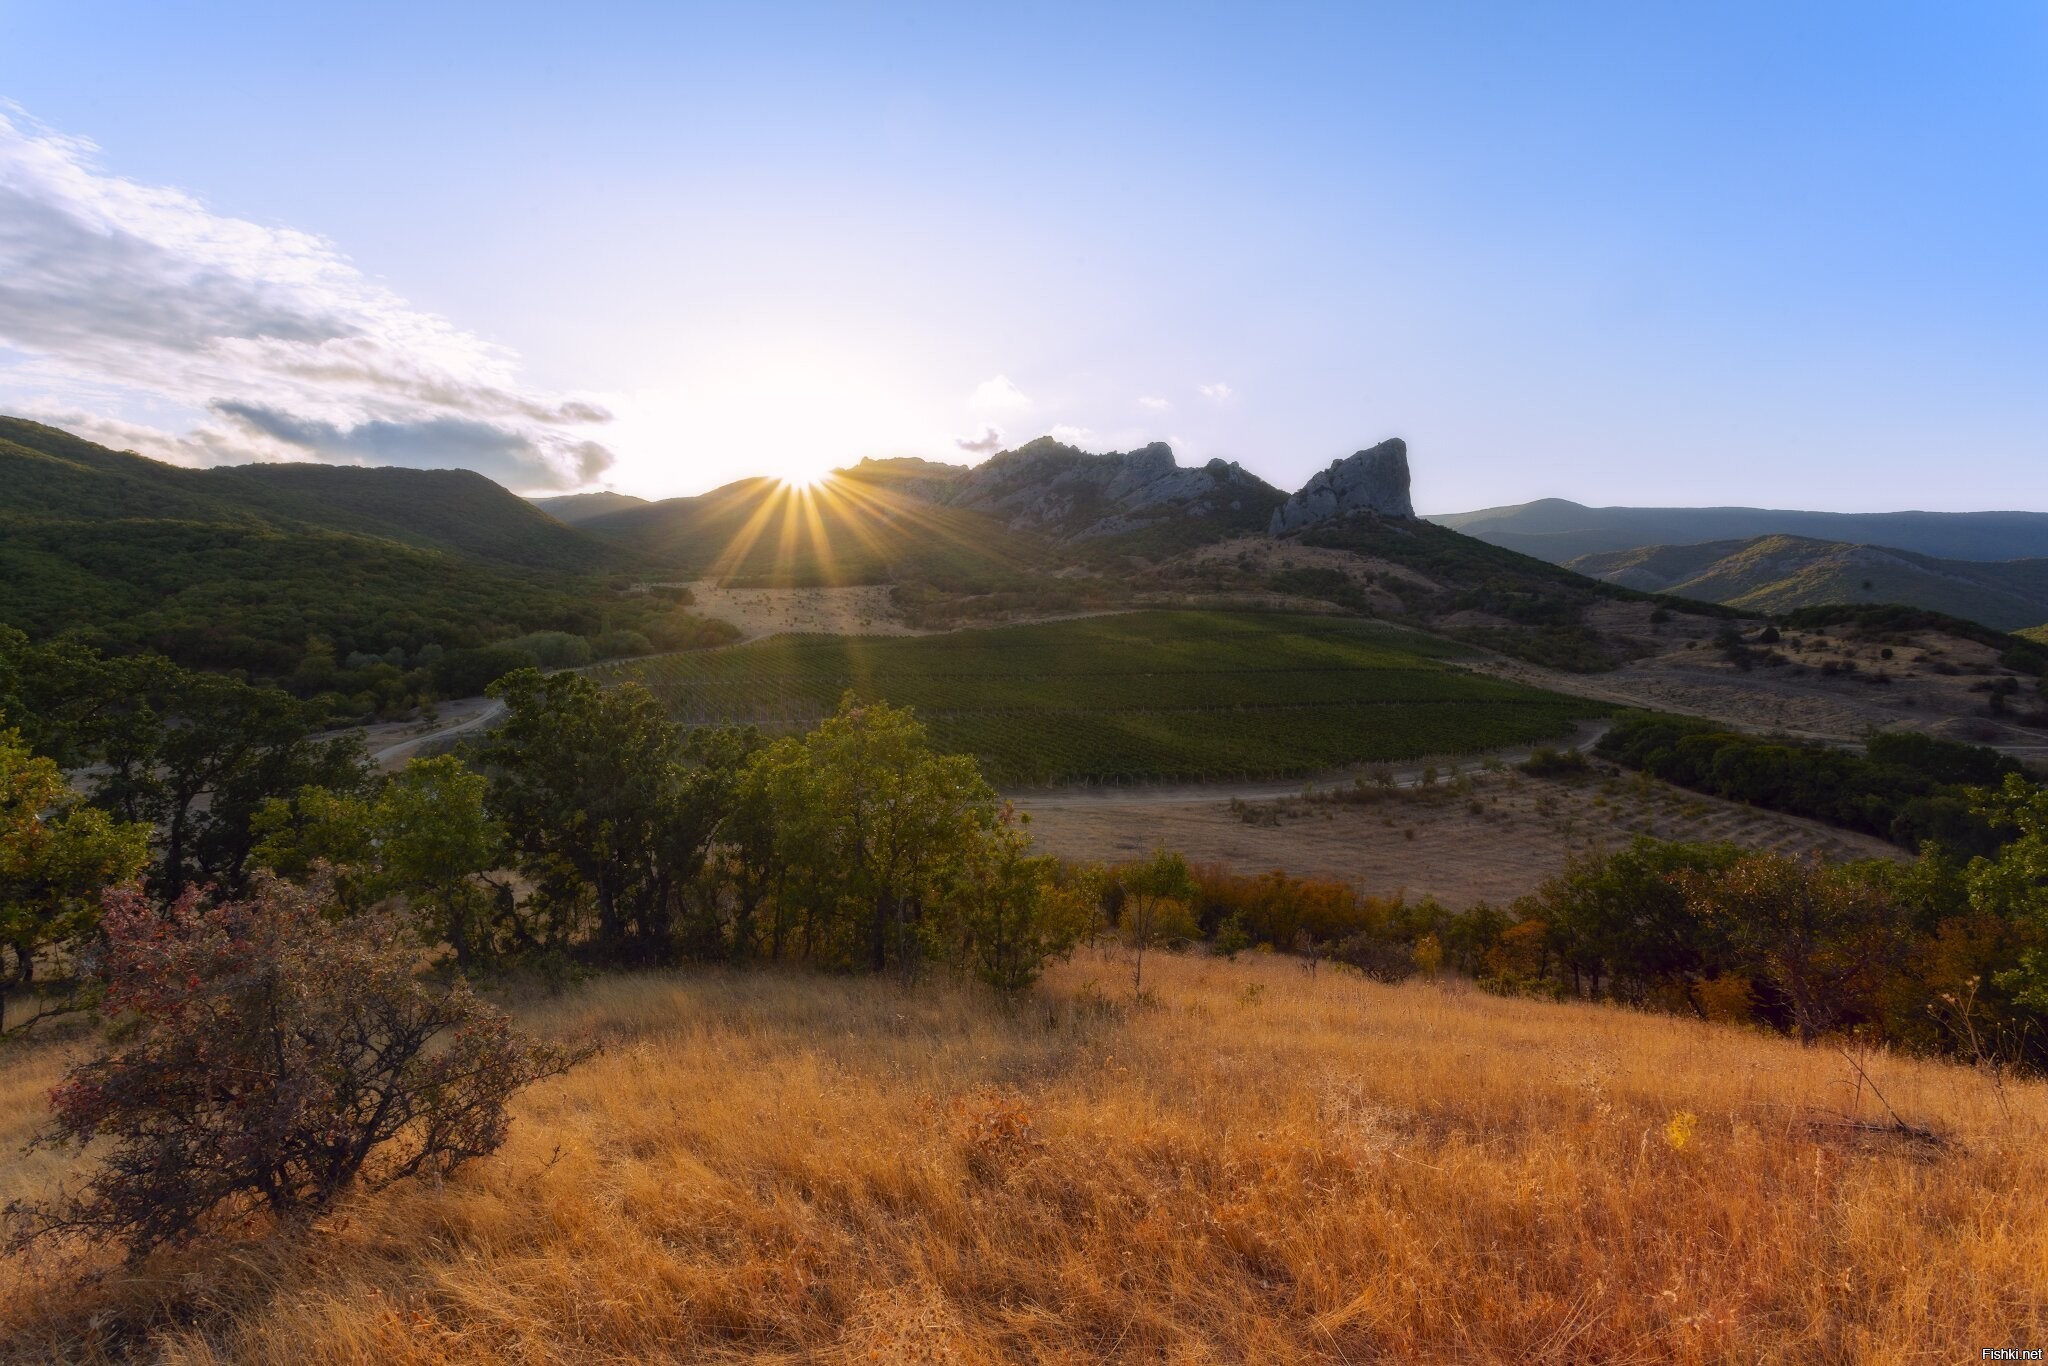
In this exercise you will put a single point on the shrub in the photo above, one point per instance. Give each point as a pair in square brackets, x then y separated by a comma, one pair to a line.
[1546, 762]
[1383, 960]
[274, 1059]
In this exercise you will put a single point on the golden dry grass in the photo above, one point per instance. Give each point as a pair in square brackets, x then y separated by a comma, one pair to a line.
[1259, 1167]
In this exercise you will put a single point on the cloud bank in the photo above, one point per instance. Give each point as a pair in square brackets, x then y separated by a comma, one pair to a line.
[267, 343]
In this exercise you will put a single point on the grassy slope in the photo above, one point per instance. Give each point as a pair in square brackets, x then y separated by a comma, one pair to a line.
[1150, 695]
[1779, 573]
[2034, 633]
[1262, 1166]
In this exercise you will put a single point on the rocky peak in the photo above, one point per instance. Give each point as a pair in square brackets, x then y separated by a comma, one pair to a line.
[1374, 480]
[1048, 486]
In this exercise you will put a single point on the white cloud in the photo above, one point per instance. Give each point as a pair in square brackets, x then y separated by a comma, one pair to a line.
[1216, 393]
[265, 343]
[1072, 436]
[988, 443]
[1157, 405]
[998, 395]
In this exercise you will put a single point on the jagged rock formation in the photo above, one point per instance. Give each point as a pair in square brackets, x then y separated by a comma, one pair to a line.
[1056, 490]
[1374, 480]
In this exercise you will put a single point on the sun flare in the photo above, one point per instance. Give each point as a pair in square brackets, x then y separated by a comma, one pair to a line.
[804, 474]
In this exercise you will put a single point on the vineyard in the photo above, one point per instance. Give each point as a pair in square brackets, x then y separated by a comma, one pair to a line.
[1185, 696]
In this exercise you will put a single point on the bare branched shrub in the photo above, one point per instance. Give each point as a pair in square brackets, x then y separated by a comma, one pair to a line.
[269, 1058]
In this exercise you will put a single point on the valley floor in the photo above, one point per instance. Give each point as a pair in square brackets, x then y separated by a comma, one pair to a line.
[1491, 837]
[1256, 1165]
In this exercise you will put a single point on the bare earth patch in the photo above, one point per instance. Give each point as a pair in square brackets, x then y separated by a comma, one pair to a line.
[1483, 837]
[856, 610]
[1933, 681]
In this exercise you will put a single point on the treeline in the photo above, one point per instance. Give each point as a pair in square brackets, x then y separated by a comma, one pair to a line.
[1944, 955]
[1907, 788]
[358, 629]
[588, 829]
[1939, 955]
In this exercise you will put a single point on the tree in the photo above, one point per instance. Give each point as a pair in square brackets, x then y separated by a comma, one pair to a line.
[273, 1057]
[870, 826]
[56, 854]
[424, 836]
[195, 755]
[1012, 911]
[1621, 922]
[2014, 884]
[1156, 894]
[1823, 936]
[589, 783]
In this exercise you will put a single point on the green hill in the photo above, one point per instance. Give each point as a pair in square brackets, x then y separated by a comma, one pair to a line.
[50, 474]
[1780, 573]
[256, 567]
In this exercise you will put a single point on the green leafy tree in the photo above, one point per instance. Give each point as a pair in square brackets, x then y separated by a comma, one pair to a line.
[600, 794]
[1012, 910]
[425, 835]
[2014, 884]
[1623, 926]
[191, 756]
[1155, 911]
[56, 856]
[871, 825]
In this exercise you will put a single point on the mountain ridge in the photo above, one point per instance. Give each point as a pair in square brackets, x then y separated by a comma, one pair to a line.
[1778, 574]
[1559, 530]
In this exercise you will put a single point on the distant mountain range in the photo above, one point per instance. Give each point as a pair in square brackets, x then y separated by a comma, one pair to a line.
[263, 567]
[1779, 573]
[1560, 531]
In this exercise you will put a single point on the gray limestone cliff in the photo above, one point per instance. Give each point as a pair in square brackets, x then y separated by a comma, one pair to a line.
[1052, 488]
[1374, 480]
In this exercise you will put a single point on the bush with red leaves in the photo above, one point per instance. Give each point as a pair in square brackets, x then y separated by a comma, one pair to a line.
[269, 1058]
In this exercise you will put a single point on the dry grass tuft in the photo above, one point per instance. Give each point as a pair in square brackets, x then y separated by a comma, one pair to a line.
[767, 1167]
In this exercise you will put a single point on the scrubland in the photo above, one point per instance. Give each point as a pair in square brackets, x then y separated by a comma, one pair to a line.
[1255, 1164]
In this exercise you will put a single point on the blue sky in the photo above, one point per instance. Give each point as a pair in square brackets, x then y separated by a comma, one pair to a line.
[1626, 253]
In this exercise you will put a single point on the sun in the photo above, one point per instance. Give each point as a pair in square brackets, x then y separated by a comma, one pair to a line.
[801, 474]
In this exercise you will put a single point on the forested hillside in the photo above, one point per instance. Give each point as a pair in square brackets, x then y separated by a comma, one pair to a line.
[357, 583]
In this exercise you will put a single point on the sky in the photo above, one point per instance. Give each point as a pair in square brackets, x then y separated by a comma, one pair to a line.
[1683, 253]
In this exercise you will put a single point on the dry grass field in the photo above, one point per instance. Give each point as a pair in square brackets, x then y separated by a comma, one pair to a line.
[1256, 1166]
